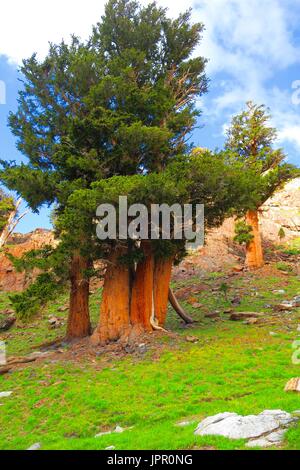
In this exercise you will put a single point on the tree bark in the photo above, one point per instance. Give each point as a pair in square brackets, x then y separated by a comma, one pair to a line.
[141, 307]
[79, 319]
[178, 309]
[254, 251]
[162, 279]
[114, 312]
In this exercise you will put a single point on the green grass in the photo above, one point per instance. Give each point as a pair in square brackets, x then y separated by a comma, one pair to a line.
[233, 367]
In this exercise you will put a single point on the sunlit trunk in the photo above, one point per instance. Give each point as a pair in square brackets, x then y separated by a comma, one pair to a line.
[79, 319]
[254, 251]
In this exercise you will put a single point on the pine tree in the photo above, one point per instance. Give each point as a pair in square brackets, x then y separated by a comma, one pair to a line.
[250, 140]
[120, 104]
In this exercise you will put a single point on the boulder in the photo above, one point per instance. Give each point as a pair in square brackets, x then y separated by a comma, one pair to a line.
[262, 430]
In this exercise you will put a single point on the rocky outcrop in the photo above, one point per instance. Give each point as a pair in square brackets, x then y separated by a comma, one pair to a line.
[264, 430]
[282, 211]
[19, 244]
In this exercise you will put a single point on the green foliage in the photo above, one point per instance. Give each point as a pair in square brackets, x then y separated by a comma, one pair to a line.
[28, 303]
[281, 233]
[282, 266]
[243, 233]
[7, 205]
[250, 140]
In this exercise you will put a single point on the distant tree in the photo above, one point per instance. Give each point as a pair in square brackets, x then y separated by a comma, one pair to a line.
[9, 216]
[250, 140]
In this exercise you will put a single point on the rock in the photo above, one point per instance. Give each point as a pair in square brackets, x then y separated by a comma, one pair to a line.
[285, 306]
[7, 323]
[265, 426]
[36, 446]
[100, 434]
[228, 311]
[142, 348]
[5, 394]
[296, 301]
[238, 268]
[54, 322]
[236, 316]
[110, 448]
[270, 440]
[236, 301]
[251, 321]
[192, 339]
[293, 385]
[279, 292]
[197, 305]
[183, 424]
[215, 314]
[62, 309]
[119, 430]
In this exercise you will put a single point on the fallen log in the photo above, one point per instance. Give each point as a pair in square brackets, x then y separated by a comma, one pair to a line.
[178, 309]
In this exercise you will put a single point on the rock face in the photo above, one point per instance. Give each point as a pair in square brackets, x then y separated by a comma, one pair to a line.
[266, 429]
[19, 244]
[282, 211]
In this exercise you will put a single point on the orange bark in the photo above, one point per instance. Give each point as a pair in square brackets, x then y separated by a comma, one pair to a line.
[114, 312]
[79, 319]
[162, 278]
[141, 307]
[254, 251]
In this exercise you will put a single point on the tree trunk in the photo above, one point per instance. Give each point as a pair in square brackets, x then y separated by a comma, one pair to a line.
[142, 296]
[254, 251]
[79, 319]
[178, 309]
[162, 279]
[114, 312]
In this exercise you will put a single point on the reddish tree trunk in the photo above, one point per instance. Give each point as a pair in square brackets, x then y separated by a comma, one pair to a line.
[142, 296]
[79, 319]
[162, 279]
[254, 251]
[114, 311]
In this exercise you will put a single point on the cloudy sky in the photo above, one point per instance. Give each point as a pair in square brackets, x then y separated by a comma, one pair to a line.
[253, 47]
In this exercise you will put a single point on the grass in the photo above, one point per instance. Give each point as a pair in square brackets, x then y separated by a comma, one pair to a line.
[233, 367]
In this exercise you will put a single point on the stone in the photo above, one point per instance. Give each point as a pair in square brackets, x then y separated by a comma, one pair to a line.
[236, 301]
[36, 446]
[279, 292]
[285, 306]
[119, 429]
[215, 314]
[7, 323]
[238, 268]
[236, 316]
[270, 440]
[293, 385]
[183, 424]
[296, 301]
[5, 394]
[261, 430]
[110, 448]
[192, 339]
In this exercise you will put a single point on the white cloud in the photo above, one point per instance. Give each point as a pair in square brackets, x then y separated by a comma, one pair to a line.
[28, 26]
[247, 43]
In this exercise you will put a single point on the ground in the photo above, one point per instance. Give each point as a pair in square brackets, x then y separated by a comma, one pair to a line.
[217, 365]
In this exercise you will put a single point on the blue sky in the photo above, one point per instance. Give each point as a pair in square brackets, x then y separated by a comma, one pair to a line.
[253, 47]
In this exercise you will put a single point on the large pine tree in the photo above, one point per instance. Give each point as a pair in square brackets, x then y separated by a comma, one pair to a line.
[120, 104]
